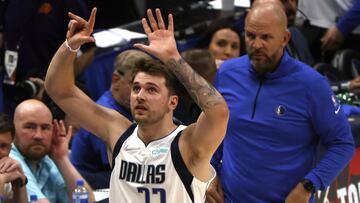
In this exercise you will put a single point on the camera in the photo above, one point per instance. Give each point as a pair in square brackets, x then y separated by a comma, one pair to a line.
[21, 91]
[27, 88]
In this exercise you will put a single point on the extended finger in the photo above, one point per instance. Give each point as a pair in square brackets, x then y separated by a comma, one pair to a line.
[152, 20]
[56, 128]
[91, 20]
[4, 167]
[142, 47]
[86, 39]
[146, 27]
[72, 28]
[69, 24]
[69, 132]
[171, 23]
[160, 19]
[62, 127]
[77, 18]
[12, 167]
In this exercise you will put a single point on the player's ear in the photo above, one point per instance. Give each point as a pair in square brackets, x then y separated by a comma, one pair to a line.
[173, 102]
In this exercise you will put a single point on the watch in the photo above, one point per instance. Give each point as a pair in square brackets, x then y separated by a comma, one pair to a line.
[308, 185]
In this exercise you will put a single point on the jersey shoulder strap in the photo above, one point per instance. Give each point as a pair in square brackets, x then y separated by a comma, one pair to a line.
[180, 167]
[121, 141]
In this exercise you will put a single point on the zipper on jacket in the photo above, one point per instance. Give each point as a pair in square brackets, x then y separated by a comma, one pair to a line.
[256, 97]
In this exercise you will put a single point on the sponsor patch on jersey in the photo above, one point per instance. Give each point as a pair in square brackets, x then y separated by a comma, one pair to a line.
[280, 110]
[159, 150]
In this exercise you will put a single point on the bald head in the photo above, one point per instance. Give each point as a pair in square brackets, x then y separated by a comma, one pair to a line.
[271, 11]
[31, 106]
[267, 1]
[33, 129]
[289, 6]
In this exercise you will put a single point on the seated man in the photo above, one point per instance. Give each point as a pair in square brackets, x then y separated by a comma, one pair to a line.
[88, 153]
[12, 178]
[36, 138]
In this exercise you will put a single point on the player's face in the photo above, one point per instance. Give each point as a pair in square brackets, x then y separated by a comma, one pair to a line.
[150, 100]
[5, 144]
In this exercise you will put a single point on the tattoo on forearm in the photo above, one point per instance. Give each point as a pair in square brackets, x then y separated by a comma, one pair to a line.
[203, 93]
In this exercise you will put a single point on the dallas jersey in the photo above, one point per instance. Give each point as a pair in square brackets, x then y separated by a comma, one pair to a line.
[153, 174]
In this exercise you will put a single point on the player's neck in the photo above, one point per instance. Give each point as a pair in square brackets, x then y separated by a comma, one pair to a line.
[155, 131]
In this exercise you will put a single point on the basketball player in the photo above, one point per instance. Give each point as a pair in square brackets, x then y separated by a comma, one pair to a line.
[154, 160]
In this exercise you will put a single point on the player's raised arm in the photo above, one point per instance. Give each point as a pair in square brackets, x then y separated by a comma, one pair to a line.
[210, 128]
[60, 84]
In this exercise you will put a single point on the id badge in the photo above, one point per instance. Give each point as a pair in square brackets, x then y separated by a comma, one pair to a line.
[11, 59]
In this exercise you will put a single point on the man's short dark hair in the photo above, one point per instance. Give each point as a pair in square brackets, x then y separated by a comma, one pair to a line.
[6, 125]
[155, 67]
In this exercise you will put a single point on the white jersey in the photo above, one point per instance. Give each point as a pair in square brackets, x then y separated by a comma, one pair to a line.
[153, 174]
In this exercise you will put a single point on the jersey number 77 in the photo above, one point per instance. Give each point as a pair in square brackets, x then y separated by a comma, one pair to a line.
[153, 191]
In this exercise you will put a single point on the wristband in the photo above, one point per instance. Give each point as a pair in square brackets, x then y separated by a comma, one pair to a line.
[20, 182]
[26, 181]
[69, 48]
[308, 186]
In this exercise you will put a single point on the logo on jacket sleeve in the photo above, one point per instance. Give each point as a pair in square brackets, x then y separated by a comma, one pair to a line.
[336, 104]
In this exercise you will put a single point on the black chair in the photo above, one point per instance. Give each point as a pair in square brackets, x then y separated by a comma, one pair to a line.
[347, 62]
[332, 74]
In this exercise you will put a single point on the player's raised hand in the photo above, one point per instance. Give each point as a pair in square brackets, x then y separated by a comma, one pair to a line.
[162, 42]
[79, 30]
